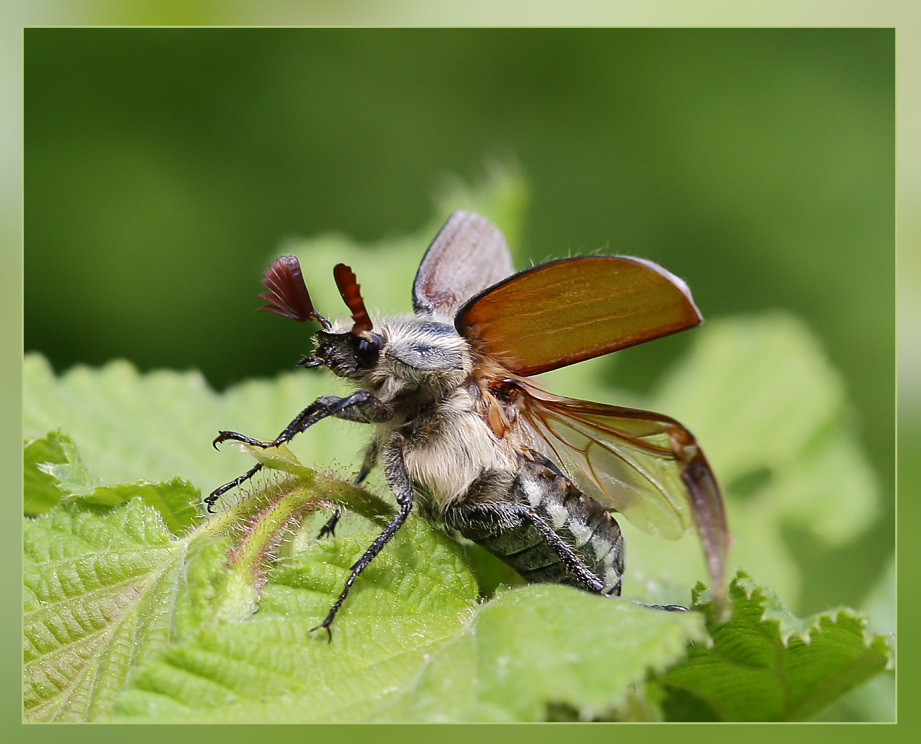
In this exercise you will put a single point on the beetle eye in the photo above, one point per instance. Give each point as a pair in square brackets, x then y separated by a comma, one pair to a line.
[367, 352]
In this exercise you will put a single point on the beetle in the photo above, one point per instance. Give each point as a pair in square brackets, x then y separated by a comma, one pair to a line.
[467, 438]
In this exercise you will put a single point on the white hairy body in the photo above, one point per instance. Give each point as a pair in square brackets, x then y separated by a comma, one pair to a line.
[455, 448]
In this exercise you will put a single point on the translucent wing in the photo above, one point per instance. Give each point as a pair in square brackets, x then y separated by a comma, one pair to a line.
[644, 465]
[468, 254]
[573, 309]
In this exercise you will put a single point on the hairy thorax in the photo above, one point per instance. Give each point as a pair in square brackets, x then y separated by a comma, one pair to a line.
[450, 444]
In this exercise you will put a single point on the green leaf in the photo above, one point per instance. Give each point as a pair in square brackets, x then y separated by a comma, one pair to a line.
[411, 599]
[541, 644]
[767, 665]
[106, 586]
[54, 472]
[200, 588]
[874, 701]
[97, 595]
[40, 489]
[410, 644]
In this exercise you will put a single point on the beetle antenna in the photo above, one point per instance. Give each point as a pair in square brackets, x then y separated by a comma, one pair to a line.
[288, 295]
[351, 295]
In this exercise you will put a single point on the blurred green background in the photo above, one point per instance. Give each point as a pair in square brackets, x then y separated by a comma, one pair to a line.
[164, 168]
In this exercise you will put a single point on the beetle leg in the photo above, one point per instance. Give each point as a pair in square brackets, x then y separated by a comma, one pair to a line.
[212, 498]
[360, 406]
[398, 480]
[371, 411]
[367, 466]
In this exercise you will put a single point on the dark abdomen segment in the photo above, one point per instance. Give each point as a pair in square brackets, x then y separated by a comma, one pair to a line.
[592, 543]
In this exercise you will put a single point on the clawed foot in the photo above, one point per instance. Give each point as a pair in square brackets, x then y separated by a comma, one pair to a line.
[211, 500]
[325, 625]
[223, 436]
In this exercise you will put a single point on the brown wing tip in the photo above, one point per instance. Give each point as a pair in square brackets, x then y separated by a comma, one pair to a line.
[288, 295]
[678, 283]
[709, 513]
[351, 295]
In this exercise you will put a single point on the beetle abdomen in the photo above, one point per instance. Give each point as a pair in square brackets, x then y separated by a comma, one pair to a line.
[583, 525]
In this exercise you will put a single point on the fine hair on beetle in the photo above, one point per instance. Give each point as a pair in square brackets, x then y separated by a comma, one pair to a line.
[471, 443]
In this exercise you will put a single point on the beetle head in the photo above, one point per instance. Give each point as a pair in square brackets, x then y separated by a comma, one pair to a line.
[348, 353]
